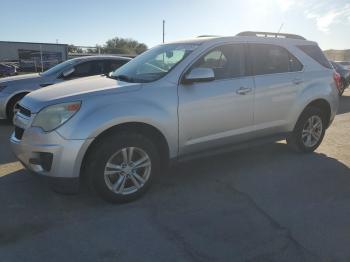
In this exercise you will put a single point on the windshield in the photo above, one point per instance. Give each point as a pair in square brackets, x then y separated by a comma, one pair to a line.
[58, 68]
[154, 63]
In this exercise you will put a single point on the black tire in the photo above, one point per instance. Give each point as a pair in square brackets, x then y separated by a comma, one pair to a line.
[102, 152]
[343, 87]
[295, 141]
[10, 109]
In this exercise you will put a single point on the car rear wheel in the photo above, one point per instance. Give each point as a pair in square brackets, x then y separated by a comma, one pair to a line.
[123, 166]
[309, 131]
[343, 87]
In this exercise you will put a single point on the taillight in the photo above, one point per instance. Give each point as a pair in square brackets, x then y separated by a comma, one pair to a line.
[337, 80]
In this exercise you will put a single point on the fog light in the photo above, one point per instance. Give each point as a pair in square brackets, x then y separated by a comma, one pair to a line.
[42, 161]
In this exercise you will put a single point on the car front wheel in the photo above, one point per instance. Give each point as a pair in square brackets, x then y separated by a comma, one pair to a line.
[123, 167]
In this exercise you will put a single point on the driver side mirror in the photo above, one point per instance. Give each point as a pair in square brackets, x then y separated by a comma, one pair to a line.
[199, 74]
[68, 72]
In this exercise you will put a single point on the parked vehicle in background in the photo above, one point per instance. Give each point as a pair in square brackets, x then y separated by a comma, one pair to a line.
[346, 64]
[7, 70]
[13, 89]
[173, 102]
[344, 74]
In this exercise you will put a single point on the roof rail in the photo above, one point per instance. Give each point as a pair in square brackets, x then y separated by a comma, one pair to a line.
[207, 36]
[270, 34]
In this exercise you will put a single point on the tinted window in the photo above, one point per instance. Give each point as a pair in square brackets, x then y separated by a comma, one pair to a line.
[58, 68]
[89, 68]
[115, 64]
[315, 53]
[226, 61]
[294, 64]
[271, 59]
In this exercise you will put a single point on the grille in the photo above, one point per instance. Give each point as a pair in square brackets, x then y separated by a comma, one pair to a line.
[19, 132]
[24, 111]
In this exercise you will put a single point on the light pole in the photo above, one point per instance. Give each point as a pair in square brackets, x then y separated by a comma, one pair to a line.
[163, 30]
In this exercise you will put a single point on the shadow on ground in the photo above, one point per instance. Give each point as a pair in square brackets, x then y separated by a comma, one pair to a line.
[260, 204]
[250, 205]
[344, 106]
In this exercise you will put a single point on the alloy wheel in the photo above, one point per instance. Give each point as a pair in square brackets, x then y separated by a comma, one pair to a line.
[312, 131]
[127, 170]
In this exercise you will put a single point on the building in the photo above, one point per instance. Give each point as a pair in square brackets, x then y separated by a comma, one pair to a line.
[33, 56]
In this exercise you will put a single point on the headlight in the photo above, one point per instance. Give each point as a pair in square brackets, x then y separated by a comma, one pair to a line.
[54, 116]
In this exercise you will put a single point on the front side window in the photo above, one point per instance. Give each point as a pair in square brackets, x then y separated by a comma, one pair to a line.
[226, 61]
[272, 59]
[154, 63]
[112, 65]
[89, 68]
[58, 68]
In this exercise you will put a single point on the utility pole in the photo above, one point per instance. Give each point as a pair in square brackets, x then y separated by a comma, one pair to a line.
[163, 30]
[58, 61]
[41, 59]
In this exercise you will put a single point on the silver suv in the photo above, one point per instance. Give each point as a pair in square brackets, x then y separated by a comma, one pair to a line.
[173, 102]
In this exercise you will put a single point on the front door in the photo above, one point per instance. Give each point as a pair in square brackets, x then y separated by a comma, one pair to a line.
[215, 113]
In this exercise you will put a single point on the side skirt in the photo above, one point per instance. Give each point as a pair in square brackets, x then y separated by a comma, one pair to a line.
[229, 148]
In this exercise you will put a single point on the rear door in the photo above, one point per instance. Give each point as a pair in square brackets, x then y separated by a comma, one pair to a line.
[278, 78]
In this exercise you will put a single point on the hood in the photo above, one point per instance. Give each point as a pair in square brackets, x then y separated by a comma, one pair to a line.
[74, 90]
[25, 82]
[10, 79]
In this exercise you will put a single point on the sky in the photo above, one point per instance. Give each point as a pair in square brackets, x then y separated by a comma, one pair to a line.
[87, 23]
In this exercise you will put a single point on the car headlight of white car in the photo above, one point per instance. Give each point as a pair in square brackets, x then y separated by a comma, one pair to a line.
[54, 116]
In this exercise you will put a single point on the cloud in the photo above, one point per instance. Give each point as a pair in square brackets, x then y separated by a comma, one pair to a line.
[264, 8]
[285, 5]
[325, 16]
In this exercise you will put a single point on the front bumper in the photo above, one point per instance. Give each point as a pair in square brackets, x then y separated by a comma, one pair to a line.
[49, 154]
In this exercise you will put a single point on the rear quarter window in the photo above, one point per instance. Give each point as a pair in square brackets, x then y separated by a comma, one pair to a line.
[316, 54]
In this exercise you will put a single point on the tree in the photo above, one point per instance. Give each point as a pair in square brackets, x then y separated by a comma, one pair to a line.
[118, 45]
[74, 49]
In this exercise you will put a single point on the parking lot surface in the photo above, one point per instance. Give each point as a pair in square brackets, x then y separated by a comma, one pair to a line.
[259, 204]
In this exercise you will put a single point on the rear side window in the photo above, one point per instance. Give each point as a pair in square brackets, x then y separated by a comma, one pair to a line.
[272, 59]
[316, 54]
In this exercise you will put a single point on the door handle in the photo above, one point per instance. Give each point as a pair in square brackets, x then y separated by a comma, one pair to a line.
[297, 81]
[243, 90]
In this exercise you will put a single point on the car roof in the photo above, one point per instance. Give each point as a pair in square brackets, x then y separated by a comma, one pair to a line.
[263, 39]
[100, 57]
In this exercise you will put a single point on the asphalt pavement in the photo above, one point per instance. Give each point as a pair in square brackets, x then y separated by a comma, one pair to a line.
[259, 204]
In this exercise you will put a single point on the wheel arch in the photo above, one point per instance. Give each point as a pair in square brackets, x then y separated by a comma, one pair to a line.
[13, 97]
[322, 104]
[148, 130]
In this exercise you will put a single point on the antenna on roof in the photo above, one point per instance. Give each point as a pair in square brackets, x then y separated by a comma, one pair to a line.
[279, 30]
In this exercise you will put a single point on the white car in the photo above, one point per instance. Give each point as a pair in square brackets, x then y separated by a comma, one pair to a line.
[13, 89]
